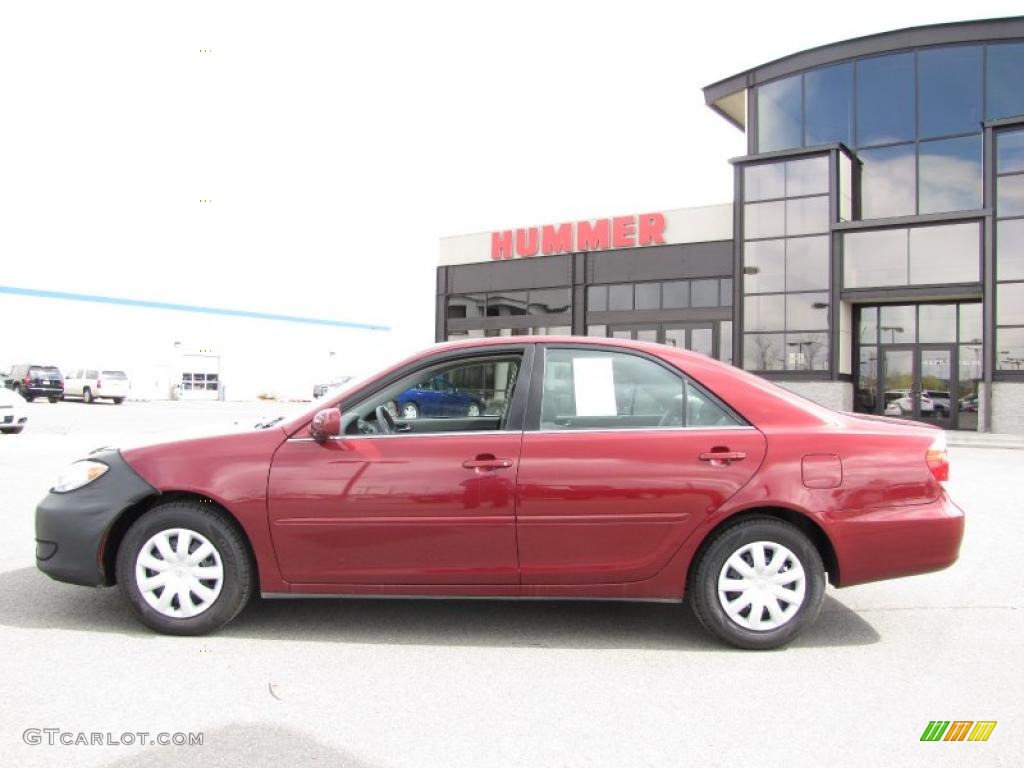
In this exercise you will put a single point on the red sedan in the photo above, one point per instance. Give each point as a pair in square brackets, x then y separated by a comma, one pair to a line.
[597, 469]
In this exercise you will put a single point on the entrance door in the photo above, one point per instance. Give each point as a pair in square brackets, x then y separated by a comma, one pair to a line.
[919, 382]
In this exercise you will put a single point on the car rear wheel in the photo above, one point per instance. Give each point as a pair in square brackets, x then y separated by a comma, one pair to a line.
[53, 399]
[758, 584]
[118, 400]
[87, 395]
[185, 569]
[12, 430]
[410, 411]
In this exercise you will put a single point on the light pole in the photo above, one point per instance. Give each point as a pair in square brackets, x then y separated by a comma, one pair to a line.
[893, 329]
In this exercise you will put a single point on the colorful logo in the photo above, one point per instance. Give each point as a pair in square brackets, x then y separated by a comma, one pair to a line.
[958, 730]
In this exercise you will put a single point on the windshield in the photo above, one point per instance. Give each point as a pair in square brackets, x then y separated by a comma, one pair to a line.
[44, 370]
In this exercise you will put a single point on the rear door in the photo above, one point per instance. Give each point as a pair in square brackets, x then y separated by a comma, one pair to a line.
[622, 458]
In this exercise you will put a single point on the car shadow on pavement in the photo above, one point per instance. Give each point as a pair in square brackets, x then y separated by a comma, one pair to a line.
[242, 744]
[34, 601]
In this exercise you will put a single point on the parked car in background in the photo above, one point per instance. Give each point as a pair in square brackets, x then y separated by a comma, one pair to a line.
[90, 384]
[969, 404]
[13, 412]
[319, 390]
[437, 398]
[940, 401]
[903, 400]
[733, 492]
[32, 381]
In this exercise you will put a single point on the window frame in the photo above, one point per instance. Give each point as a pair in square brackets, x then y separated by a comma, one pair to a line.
[536, 386]
[514, 415]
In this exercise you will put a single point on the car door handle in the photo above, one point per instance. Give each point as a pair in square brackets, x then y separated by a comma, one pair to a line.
[722, 457]
[487, 461]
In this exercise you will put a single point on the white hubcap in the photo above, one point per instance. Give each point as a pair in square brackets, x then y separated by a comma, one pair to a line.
[761, 586]
[179, 573]
[409, 411]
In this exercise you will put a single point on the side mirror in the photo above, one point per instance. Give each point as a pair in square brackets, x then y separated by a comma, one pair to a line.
[327, 423]
[331, 422]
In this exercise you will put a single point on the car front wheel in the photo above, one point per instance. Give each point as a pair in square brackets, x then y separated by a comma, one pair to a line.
[473, 410]
[185, 569]
[410, 411]
[87, 395]
[758, 584]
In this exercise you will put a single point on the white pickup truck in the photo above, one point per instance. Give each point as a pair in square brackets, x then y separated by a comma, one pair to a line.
[89, 384]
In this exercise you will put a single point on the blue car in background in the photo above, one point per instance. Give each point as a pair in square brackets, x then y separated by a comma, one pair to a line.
[437, 398]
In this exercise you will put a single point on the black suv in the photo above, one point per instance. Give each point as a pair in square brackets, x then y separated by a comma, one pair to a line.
[32, 381]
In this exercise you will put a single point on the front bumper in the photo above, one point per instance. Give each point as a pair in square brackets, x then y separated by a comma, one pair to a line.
[71, 528]
[890, 542]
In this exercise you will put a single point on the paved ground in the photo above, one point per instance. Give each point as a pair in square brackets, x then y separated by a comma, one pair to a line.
[434, 683]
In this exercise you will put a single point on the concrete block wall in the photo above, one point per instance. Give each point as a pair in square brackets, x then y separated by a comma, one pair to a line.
[1008, 407]
[837, 395]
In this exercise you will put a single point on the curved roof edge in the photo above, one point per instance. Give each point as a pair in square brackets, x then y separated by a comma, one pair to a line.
[882, 42]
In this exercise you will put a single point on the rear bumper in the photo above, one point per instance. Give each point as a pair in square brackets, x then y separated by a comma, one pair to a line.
[71, 528]
[889, 542]
[45, 391]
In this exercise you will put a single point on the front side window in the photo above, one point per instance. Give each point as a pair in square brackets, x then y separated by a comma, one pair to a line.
[470, 394]
[595, 389]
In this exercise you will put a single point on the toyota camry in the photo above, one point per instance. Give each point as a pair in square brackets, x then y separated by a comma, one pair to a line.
[597, 469]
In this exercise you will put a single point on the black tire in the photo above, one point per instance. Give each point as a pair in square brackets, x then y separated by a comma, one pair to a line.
[87, 395]
[54, 399]
[12, 430]
[117, 400]
[704, 594]
[24, 393]
[220, 530]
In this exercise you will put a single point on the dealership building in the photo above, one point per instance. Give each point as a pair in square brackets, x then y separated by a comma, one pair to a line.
[872, 257]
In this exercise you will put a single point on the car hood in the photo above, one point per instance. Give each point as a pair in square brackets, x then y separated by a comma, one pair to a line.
[173, 439]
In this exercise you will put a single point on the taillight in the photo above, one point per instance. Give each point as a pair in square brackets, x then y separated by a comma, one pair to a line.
[99, 383]
[937, 459]
[27, 381]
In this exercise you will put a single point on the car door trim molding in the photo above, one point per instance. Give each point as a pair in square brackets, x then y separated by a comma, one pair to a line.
[459, 433]
[495, 432]
[413, 596]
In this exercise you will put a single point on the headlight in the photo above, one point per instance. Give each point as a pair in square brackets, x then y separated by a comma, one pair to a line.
[78, 474]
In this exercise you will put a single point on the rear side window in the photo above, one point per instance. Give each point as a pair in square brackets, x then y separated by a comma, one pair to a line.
[595, 389]
[703, 411]
[91, 375]
[117, 375]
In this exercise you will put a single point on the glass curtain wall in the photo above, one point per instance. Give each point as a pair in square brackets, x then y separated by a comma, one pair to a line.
[914, 118]
[786, 272]
[1010, 250]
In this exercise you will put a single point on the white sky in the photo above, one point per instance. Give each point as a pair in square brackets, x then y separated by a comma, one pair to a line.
[338, 141]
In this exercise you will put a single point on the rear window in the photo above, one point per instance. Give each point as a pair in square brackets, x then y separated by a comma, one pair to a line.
[113, 375]
[44, 370]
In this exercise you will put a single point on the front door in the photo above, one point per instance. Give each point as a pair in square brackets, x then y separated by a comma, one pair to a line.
[430, 501]
[919, 382]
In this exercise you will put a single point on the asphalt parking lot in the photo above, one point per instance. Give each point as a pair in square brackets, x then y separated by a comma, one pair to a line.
[474, 683]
